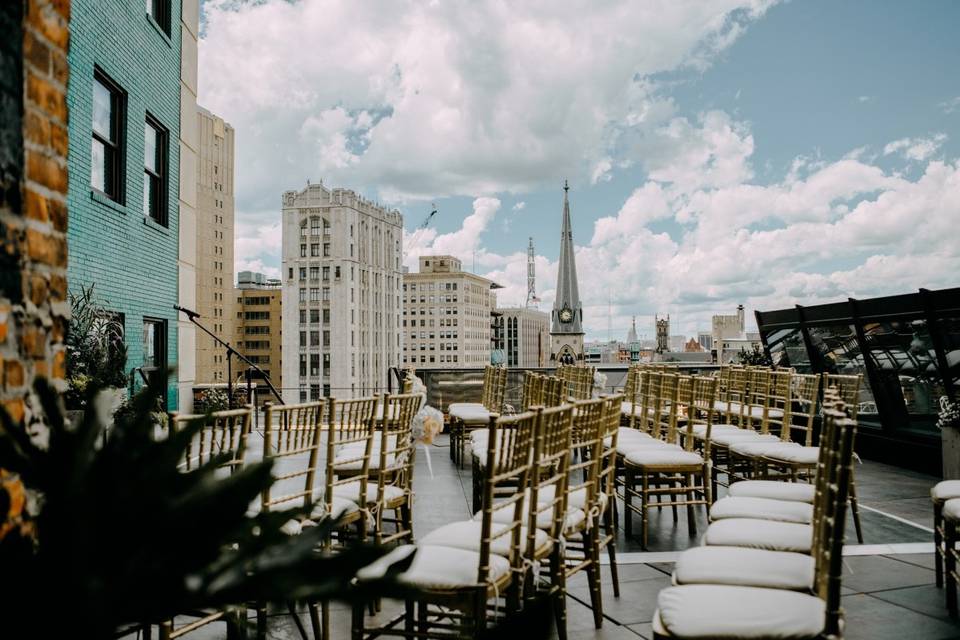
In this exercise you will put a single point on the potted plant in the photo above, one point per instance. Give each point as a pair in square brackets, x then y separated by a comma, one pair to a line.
[96, 354]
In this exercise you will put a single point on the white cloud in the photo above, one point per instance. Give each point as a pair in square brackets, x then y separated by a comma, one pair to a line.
[919, 149]
[863, 99]
[951, 105]
[519, 206]
[432, 99]
[256, 265]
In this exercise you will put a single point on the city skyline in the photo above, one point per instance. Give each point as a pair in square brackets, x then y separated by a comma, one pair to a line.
[703, 175]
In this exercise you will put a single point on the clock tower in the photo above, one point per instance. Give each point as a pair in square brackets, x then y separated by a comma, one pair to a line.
[566, 327]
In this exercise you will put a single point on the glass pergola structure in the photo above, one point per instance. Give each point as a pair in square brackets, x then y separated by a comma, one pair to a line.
[907, 347]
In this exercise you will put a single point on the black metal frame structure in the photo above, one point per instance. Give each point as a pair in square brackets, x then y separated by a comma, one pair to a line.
[906, 346]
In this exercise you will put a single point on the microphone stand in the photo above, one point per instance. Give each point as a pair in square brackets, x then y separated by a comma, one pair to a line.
[193, 315]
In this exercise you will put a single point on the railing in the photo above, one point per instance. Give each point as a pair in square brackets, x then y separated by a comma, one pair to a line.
[445, 386]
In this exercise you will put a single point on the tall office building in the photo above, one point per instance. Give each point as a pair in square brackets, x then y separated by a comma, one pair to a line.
[124, 167]
[257, 328]
[341, 293]
[526, 337]
[447, 316]
[214, 243]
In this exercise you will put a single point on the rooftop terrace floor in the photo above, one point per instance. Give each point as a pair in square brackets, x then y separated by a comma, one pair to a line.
[888, 581]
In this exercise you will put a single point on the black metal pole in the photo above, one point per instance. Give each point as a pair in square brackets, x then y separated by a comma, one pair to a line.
[229, 377]
[192, 315]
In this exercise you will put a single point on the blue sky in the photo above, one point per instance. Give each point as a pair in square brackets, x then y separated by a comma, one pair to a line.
[756, 152]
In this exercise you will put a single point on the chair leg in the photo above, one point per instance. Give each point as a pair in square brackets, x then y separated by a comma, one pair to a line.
[691, 515]
[261, 622]
[315, 623]
[165, 629]
[591, 543]
[938, 541]
[610, 529]
[356, 621]
[629, 485]
[644, 507]
[409, 615]
[673, 483]
[480, 613]
[855, 509]
[558, 582]
[950, 565]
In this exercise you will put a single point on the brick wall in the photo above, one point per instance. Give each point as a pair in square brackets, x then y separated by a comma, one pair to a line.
[33, 197]
[131, 261]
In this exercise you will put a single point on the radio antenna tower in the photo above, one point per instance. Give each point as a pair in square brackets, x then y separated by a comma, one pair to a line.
[532, 300]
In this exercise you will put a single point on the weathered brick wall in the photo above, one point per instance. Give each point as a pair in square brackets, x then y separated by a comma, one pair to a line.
[33, 197]
[131, 261]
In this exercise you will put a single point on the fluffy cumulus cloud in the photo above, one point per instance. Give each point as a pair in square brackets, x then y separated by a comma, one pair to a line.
[424, 99]
[918, 149]
[823, 232]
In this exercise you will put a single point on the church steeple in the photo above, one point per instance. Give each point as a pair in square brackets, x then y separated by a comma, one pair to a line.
[567, 313]
[632, 335]
[566, 331]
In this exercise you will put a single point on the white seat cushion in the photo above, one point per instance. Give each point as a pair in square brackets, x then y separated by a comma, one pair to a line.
[721, 405]
[795, 454]
[628, 408]
[720, 611]
[761, 508]
[745, 567]
[351, 491]
[660, 456]
[436, 567]
[624, 449]
[466, 535]
[456, 406]
[951, 509]
[743, 435]
[626, 434]
[796, 491]
[470, 414]
[754, 447]
[479, 436]
[757, 412]
[574, 517]
[349, 454]
[760, 534]
[945, 490]
[699, 430]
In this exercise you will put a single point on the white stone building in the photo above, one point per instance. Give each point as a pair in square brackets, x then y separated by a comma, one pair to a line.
[526, 336]
[341, 276]
[446, 316]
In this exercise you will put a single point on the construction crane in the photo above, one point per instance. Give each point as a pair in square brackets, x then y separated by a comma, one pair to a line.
[412, 240]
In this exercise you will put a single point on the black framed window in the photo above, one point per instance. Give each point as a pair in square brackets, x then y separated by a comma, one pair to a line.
[155, 348]
[155, 141]
[106, 156]
[159, 10]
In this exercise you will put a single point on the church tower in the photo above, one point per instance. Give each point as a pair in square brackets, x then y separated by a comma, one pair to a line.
[566, 329]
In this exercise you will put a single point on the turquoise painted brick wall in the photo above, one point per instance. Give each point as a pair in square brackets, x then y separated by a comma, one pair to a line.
[131, 260]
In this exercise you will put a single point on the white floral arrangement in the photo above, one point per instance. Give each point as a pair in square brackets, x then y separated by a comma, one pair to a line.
[426, 425]
[599, 383]
[949, 415]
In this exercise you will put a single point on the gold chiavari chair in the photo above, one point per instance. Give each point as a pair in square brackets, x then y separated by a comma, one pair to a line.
[606, 493]
[390, 469]
[949, 524]
[455, 584]
[467, 416]
[673, 469]
[939, 494]
[745, 454]
[740, 610]
[224, 433]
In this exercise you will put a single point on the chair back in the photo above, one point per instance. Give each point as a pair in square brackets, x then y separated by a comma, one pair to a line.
[665, 412]
[779, 411]
[395, 454]
[586, 445]
[608, 462]
[350, 437]
[554, 391]
[849, 389]
[701, 408]
[223, 433]
[806, 396]
[509, 465]
[532, 390]
[830, 518]
[757, 399]
[736, 395]
[550, 474]
[291, 439]
[650, 407]
[494, 388]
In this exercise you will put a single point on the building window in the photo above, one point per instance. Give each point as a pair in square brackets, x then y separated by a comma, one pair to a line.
[326, 294]
[314, 294]
[314, 226]
[326, 227]
[303, 273]
[326, 338]
[314, 338]
[303, 294]
[303, 338]
[155, 348]
[326, 316]
[303, 251]
[106, 159]
[315, 273]
[315, 316]
[155, 139]
[159, 10]
[303, 365]
[303, 316]
[303, 229]
[315, 250]
[326, 249]
[314, 364]
[326, 273]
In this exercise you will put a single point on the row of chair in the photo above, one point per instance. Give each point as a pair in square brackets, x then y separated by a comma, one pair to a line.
[763, 573]
[349, 459]
[539, 506]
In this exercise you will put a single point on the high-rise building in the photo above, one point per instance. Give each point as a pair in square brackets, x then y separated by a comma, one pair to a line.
[663, 333]
[526, 337]
[726, 331]
[257, 327]
[705, 338]
[447, 315]
[566, 331]
[214, 242]
[341, 293]
[124, 165]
